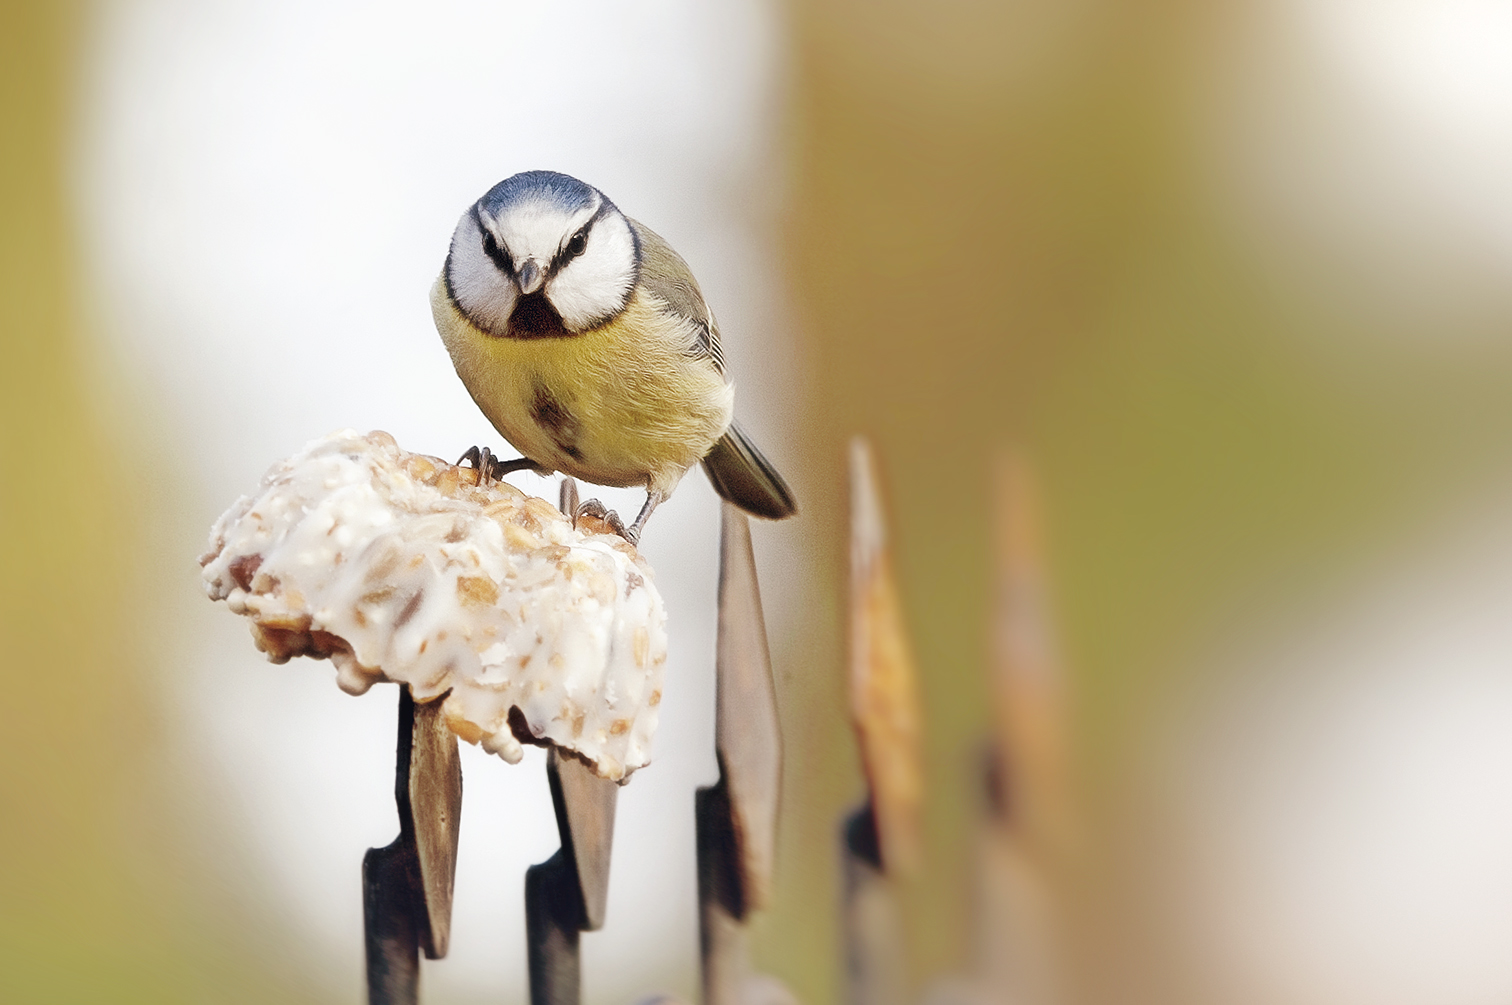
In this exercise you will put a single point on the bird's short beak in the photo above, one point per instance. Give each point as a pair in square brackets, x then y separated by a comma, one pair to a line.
[530, 276]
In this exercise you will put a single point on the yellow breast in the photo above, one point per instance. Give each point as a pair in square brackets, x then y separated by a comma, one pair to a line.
[624, 404]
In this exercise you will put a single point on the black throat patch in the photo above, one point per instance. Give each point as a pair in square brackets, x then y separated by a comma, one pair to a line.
[534, 317]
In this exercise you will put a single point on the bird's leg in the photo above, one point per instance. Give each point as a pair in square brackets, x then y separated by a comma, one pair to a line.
[568, 498]
[634, 533]
[502, 468]
[490, 468]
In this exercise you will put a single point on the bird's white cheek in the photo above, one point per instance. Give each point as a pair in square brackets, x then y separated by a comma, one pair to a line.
[484, 294]
[597, 285]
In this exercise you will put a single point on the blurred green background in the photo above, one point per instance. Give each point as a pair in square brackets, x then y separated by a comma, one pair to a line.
[101, 901]
[1005, 224]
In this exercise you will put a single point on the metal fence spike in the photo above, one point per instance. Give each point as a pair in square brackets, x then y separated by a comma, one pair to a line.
[569, 892]
[884, 693]
[1027, 681]
[566, 895]
[553, 921]
[1013, 936]
[881, 840]
[737, 817]
[875, 962]
[435, 801]
[408, 885]
[585, 806]
[747, 735]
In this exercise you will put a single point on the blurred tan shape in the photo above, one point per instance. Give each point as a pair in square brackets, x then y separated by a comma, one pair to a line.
[1015, 949]
[884, 689]
[876, 957]
[1028, 685]
[1014, 943]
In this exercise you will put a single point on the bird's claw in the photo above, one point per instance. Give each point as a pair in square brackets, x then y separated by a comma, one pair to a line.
[482, 459]
[596, 510]
[491, 468]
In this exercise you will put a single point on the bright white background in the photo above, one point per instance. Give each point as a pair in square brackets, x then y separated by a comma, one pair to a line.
[265, 194]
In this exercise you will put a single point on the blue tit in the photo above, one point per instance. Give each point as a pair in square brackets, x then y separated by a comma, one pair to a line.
[585, 340]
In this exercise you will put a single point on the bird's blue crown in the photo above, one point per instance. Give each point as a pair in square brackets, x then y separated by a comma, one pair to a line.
[563, 191]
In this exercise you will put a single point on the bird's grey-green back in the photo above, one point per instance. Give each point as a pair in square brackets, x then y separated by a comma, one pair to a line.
[665, 274]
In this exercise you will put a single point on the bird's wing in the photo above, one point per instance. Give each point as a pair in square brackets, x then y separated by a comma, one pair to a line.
[742, 475]
[665, 274]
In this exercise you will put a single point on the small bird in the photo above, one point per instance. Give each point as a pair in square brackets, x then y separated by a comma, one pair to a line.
[585, 340]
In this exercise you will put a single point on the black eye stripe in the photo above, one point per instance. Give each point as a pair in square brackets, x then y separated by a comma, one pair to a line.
[496, 252]
[579, 241]
[574, 247]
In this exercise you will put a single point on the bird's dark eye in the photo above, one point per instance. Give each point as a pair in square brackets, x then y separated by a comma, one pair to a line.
[499, 256]
[578, 244]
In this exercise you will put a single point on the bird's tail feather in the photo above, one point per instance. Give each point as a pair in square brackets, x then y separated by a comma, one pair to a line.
[740, 474]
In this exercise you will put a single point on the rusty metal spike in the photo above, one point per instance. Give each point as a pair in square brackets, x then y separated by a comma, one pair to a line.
[1014, 954]
[553, 920]
[875, 960]
[585, 805]
[568, 893]
[884, 694]
[881, 839]
[435, 804]
[747, 736]
[737, 818]
[1027, 680]
[408, 885]
[390, 931]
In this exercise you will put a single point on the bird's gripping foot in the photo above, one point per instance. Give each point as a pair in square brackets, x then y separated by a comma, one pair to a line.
[491, 468]
[597, 510]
